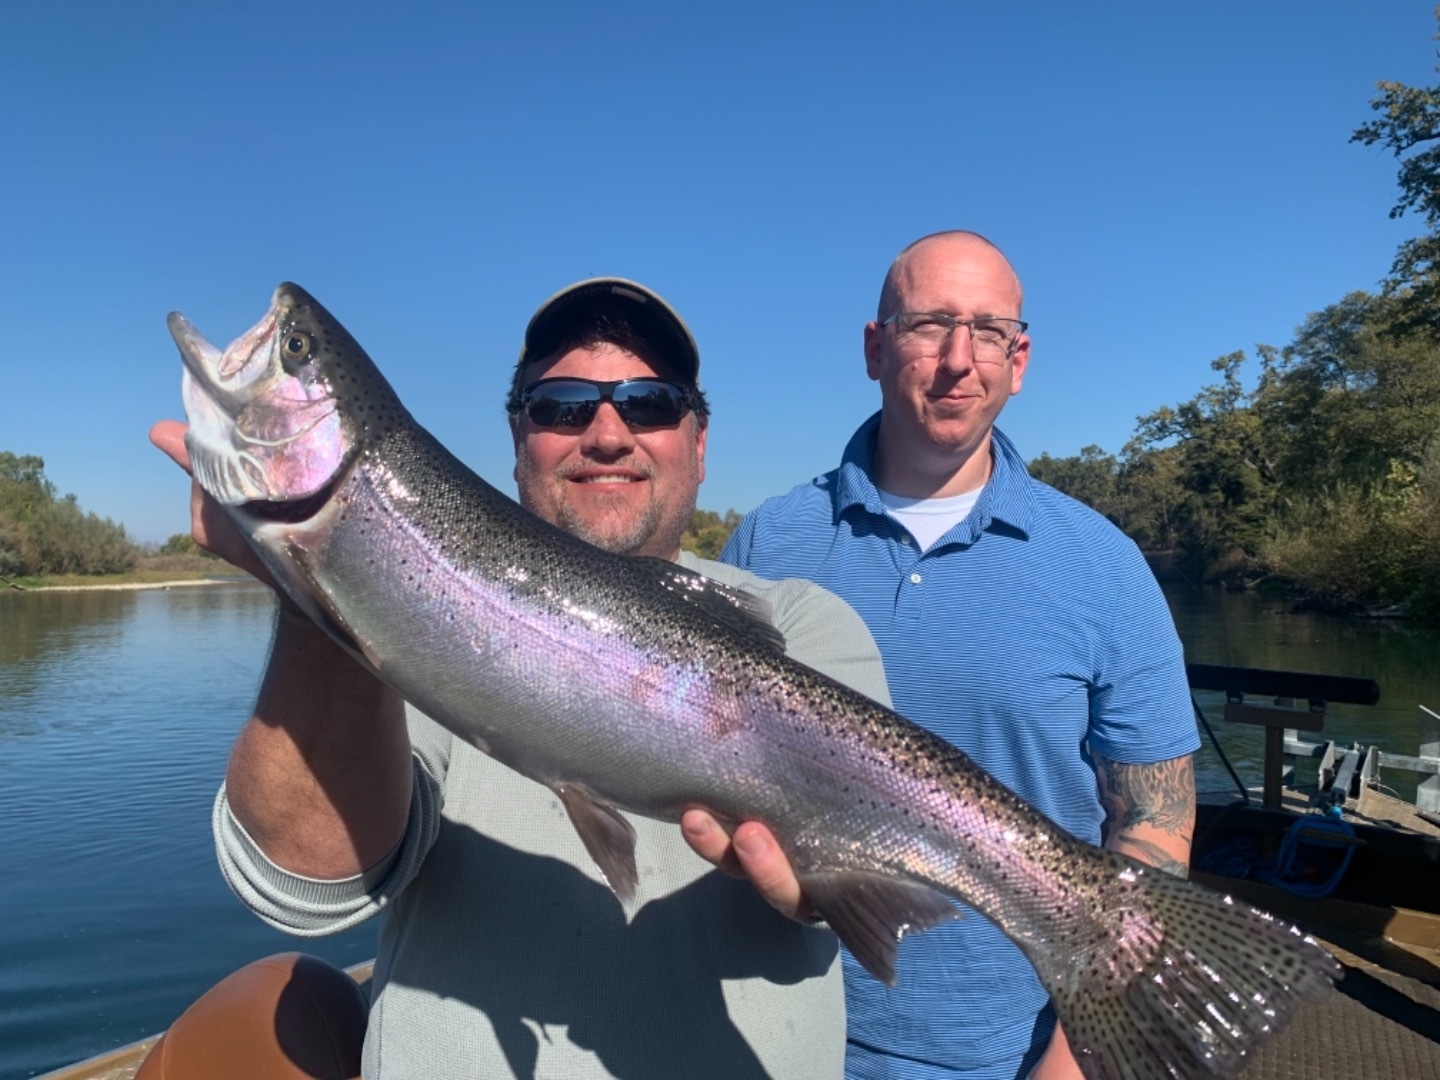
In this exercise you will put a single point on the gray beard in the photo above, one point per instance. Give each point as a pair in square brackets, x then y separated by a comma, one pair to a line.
[651, 529]
[626, 540]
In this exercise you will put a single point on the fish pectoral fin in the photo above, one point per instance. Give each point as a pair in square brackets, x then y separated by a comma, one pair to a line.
[607, 836]
[871, 913]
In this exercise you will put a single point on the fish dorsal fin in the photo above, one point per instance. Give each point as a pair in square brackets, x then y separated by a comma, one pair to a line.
[607, 836]
[871, 913]
[739, 610]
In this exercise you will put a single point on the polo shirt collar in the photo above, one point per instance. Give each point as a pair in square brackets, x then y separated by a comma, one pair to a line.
[1007, 498]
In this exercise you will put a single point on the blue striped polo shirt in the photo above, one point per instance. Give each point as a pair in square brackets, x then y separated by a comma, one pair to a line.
[1028, 633]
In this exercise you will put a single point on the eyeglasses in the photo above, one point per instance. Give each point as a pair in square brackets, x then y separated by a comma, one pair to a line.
[573, 403]
[925, 334]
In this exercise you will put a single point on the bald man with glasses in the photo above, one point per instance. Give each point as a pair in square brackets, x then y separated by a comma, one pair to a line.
[1014, 622]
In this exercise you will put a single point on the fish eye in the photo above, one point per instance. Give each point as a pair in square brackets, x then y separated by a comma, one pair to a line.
[296, 346]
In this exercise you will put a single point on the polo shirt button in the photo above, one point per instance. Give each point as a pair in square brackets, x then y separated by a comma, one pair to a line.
[915, 579]
[904, 541]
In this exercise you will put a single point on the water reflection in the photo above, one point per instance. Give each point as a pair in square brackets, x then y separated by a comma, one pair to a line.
[1245, 631]
[117, 712]
[38, 630]
[53, 643]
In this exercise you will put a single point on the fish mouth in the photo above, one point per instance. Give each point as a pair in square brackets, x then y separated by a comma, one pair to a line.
[258, 434]
[224, 377]
[231, 377]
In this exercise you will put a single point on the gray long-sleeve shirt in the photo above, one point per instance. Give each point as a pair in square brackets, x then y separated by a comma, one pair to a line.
[502, 953]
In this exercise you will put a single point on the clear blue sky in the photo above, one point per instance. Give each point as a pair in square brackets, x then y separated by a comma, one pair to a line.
[1172, 182]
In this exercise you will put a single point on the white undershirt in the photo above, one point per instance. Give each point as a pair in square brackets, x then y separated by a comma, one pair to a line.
[929, 519]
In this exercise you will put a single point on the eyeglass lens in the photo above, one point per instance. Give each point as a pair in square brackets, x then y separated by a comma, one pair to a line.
[927, 333]
[574, 402]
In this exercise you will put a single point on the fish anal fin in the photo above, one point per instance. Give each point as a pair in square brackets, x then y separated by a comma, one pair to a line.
[871, 913]
[607, 836]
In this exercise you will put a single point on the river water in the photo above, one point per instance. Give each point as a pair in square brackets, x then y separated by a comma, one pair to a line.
[1242, 630]
[117, 710]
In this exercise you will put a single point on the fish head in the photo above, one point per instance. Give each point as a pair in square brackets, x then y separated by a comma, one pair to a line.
[278, 416]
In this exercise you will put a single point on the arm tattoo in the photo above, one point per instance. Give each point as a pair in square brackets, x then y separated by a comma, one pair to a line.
[1154, 855]
[1159, 796]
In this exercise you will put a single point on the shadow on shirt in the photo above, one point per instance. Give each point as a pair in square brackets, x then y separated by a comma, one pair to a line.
[543, 945]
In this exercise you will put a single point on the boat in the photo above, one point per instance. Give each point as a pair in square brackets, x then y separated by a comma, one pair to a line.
[1362, 876]
[1346, 862]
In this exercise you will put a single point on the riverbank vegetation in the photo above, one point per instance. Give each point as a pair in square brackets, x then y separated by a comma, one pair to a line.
[43, 532]
[708, 532]
[1320, 474]
[47, 540]
[141, 577]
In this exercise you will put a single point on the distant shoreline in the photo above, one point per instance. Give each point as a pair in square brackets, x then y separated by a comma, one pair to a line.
[132, 586]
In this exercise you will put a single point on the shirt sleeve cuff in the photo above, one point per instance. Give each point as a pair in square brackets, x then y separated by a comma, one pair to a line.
[313, 907]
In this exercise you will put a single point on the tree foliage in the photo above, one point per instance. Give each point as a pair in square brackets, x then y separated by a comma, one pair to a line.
[182, 544]
[1320, 472]
[42, 532]
[1093, 478]
[1408, 125]
[708, 532]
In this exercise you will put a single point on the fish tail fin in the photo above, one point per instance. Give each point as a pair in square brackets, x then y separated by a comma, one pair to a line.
[1181, 975]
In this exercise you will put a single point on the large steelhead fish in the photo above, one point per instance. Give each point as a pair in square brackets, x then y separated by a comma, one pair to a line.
[633, 683]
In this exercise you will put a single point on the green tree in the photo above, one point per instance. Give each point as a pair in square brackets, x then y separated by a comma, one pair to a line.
[1092, 477]
[41, 533]
[1352, 547]
[1225, 463]
[182, 544]
[27, 472]
[1354, 393]
[10, 560]
[1152, 495]
[1409, 126]
[708, 532]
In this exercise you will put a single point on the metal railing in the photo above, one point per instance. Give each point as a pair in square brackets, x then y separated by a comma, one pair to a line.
[1343, 771]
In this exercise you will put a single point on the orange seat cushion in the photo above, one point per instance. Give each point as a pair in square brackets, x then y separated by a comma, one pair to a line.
[289, 1017]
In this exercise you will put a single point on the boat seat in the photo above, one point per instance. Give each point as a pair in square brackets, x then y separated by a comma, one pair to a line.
[288, 1017]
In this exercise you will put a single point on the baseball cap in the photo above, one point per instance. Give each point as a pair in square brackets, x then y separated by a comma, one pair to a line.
[655, 321]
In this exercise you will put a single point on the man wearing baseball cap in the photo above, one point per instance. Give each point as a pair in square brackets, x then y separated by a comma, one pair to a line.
[501, 951]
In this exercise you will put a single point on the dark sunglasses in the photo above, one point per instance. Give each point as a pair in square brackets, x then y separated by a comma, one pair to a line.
[572, 403]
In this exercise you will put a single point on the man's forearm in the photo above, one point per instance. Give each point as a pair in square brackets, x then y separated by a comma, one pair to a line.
[1150, 811]
[1058, 1062]
[320, 776]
